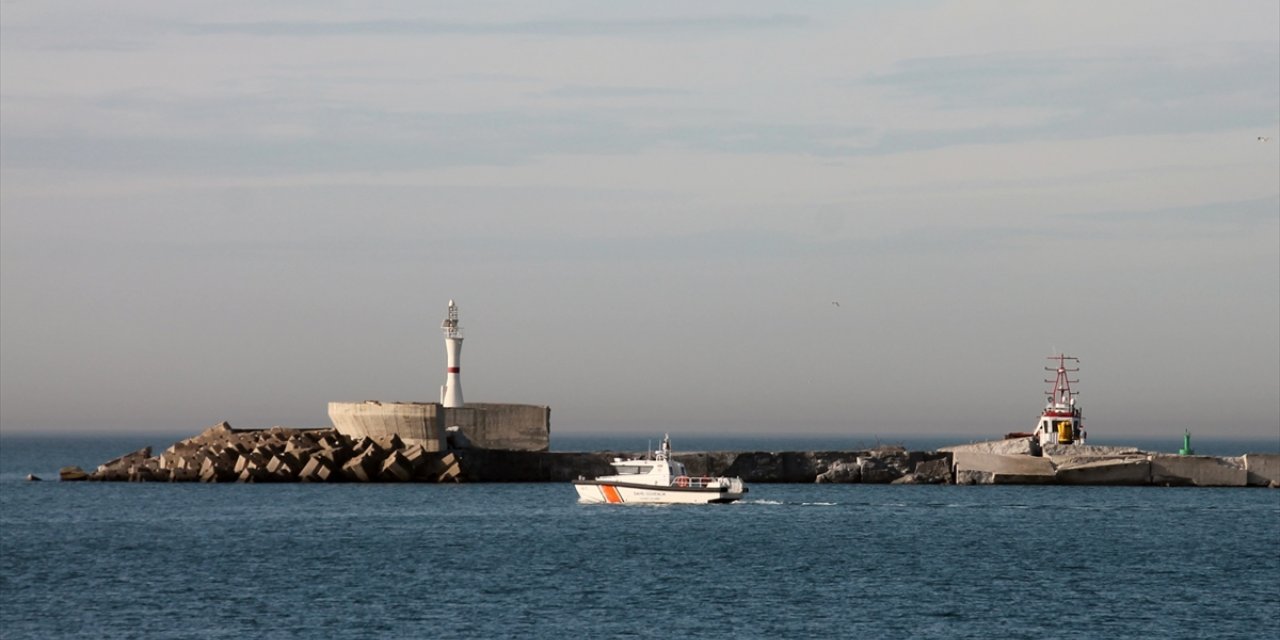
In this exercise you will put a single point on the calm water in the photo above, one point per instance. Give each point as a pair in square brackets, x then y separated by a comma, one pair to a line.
[90, 560]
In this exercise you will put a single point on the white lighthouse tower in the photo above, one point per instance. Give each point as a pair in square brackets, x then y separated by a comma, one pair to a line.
[451, 392]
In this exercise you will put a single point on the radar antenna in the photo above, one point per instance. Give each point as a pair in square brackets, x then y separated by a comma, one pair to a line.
[1061, 393]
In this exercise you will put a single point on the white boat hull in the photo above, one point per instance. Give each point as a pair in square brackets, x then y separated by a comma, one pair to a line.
[656, 480]
[604, 492]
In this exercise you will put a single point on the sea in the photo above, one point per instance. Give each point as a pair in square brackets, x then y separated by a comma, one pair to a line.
[158, 560]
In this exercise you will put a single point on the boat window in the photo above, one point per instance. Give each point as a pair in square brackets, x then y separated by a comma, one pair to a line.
[634, 469]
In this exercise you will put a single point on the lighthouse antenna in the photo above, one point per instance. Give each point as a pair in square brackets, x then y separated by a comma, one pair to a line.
[450, 323]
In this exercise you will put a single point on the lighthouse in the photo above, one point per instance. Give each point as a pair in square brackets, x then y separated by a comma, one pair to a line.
[451, 392]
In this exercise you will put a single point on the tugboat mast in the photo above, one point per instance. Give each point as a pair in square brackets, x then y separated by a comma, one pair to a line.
[1060, 394]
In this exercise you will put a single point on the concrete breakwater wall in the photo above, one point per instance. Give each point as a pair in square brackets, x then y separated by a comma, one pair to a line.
[223, 454]
[483, 425]
[1020, 462]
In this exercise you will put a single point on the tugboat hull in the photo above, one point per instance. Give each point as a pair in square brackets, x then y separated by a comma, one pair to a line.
[600, 492]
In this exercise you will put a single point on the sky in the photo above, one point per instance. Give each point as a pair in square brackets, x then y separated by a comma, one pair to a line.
[242, 211]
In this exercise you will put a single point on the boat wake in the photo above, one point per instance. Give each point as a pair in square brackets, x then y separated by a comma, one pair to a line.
[792, 504]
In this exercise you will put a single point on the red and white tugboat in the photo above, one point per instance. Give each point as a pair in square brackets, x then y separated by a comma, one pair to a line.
[1062, 422]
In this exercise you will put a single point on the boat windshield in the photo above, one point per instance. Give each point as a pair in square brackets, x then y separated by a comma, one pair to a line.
[628, 469]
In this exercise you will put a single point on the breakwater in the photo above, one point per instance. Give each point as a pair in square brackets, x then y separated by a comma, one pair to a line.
[224, 454]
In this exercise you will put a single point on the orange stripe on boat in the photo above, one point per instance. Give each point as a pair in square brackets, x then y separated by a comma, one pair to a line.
[610, 494]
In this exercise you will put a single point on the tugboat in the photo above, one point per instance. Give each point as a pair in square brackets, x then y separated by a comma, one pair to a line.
[657, 480]
[1061, 422]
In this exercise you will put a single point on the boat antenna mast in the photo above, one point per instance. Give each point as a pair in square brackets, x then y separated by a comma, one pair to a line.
[1061, 393]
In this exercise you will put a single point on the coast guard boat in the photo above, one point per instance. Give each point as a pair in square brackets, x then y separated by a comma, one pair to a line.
[1061, 422]
[657, 480]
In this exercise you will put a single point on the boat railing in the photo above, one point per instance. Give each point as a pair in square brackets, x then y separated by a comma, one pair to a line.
[693, 482]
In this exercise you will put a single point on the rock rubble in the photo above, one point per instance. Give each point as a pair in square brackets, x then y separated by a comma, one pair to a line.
[279, 454]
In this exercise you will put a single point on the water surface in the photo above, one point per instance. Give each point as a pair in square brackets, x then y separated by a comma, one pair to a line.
[160, 560]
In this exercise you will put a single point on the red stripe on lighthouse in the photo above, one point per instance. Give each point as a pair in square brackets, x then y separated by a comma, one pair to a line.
[453, 370]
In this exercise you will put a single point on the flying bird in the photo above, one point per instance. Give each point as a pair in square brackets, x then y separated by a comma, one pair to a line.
[1264, 139]
[835, 303]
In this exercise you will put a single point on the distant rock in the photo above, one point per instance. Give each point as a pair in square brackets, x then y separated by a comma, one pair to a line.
[129, 458]
[840, 472]
[1010, 447]
[72, 474]
[1087, 451]
[878, 470]
[974, 476]
[889, 465]
[936, 471]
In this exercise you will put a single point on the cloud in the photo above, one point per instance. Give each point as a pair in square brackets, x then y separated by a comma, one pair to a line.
[1210, 87]
[567, 28]
[1235, 215]
[594, 92]
[190, 190]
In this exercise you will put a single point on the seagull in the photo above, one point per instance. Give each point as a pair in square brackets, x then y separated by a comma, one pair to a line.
[1264, 139]
[835, 303]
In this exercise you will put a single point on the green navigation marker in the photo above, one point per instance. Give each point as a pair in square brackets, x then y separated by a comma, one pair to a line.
[1186, 449]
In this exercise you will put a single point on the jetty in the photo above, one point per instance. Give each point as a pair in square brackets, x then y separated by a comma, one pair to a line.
[457, 441]
[279, 454]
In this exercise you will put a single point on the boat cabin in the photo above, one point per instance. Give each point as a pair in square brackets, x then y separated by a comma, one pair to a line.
[660, 466]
